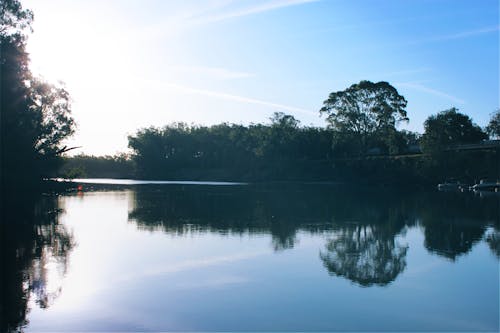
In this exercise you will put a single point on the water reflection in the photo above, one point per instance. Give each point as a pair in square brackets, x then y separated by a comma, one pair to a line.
[365, 254]
[34, 250]
[362, 225]
[455, 222]
[493, 240]
[359, 238]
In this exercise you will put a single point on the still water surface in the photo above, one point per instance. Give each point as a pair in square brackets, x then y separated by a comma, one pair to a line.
[301, 257]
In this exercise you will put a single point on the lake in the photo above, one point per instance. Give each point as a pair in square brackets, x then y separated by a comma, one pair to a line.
[250, 257]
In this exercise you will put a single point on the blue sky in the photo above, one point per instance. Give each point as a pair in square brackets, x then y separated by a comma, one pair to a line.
[131, 64]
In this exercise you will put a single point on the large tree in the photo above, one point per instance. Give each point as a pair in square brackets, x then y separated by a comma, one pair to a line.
[447, 129]
[364, 113]
[35, 115]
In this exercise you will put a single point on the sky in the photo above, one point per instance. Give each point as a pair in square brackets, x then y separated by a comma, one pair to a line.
[135, 64]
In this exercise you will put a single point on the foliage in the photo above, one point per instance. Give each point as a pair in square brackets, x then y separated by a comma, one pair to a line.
[493, 128]
[448, 129]
[284, 150]
[118, 166]
[364, 116]
[230, 151]
[14, 20]
[35, 115]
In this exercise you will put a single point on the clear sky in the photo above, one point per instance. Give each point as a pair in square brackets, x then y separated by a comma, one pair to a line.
[132, 64]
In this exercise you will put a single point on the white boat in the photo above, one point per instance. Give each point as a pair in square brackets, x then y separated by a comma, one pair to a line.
[451, 185]
[487, 186]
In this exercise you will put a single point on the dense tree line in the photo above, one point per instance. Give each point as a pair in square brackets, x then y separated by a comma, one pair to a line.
[109, 166]
[361, 121]
[360, 143]
[229, 150]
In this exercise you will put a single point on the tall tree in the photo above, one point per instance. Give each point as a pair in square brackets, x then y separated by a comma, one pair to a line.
[447, 129]
[35, 115]
[364, 112]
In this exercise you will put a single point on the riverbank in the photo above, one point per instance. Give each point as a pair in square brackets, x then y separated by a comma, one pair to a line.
[399, 170]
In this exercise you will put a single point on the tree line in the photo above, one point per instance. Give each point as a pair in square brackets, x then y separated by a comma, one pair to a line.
[360, 143]
[285, 150]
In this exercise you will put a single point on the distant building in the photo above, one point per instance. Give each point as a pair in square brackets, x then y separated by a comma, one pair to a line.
[485, 144]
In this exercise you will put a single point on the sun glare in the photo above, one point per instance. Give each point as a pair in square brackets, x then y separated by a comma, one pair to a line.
[97, 63]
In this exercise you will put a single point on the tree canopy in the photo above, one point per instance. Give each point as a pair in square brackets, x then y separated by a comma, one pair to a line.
[449, 128]
[274, 150]
[35, 115]
[493, 128]
[365, 112]
[14, 20]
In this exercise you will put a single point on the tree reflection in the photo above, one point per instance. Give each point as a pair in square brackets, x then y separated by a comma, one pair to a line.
[180, 210]
[364, 224]
[33, 243]
[364, 255]
[284, 235]
[455, 222]
[493, 240]
[451, 239]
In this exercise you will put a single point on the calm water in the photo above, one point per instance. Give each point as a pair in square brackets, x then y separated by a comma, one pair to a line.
[301, 257]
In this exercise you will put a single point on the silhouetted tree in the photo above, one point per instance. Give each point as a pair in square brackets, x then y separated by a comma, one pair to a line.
[280, 150]
[364, 115]
[35, 115]
[447, 129]
[493, 128]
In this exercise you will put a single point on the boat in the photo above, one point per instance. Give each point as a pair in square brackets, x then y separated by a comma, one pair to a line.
[451, 185]
[485, 185]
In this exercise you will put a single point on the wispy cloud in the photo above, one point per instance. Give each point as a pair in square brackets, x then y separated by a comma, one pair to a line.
[459, 35]
[206, 12]
[213, 72]
[394, 21]
[236, 98]
[408, 71]
[255, 9]
[420, 87]
[373, 24]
